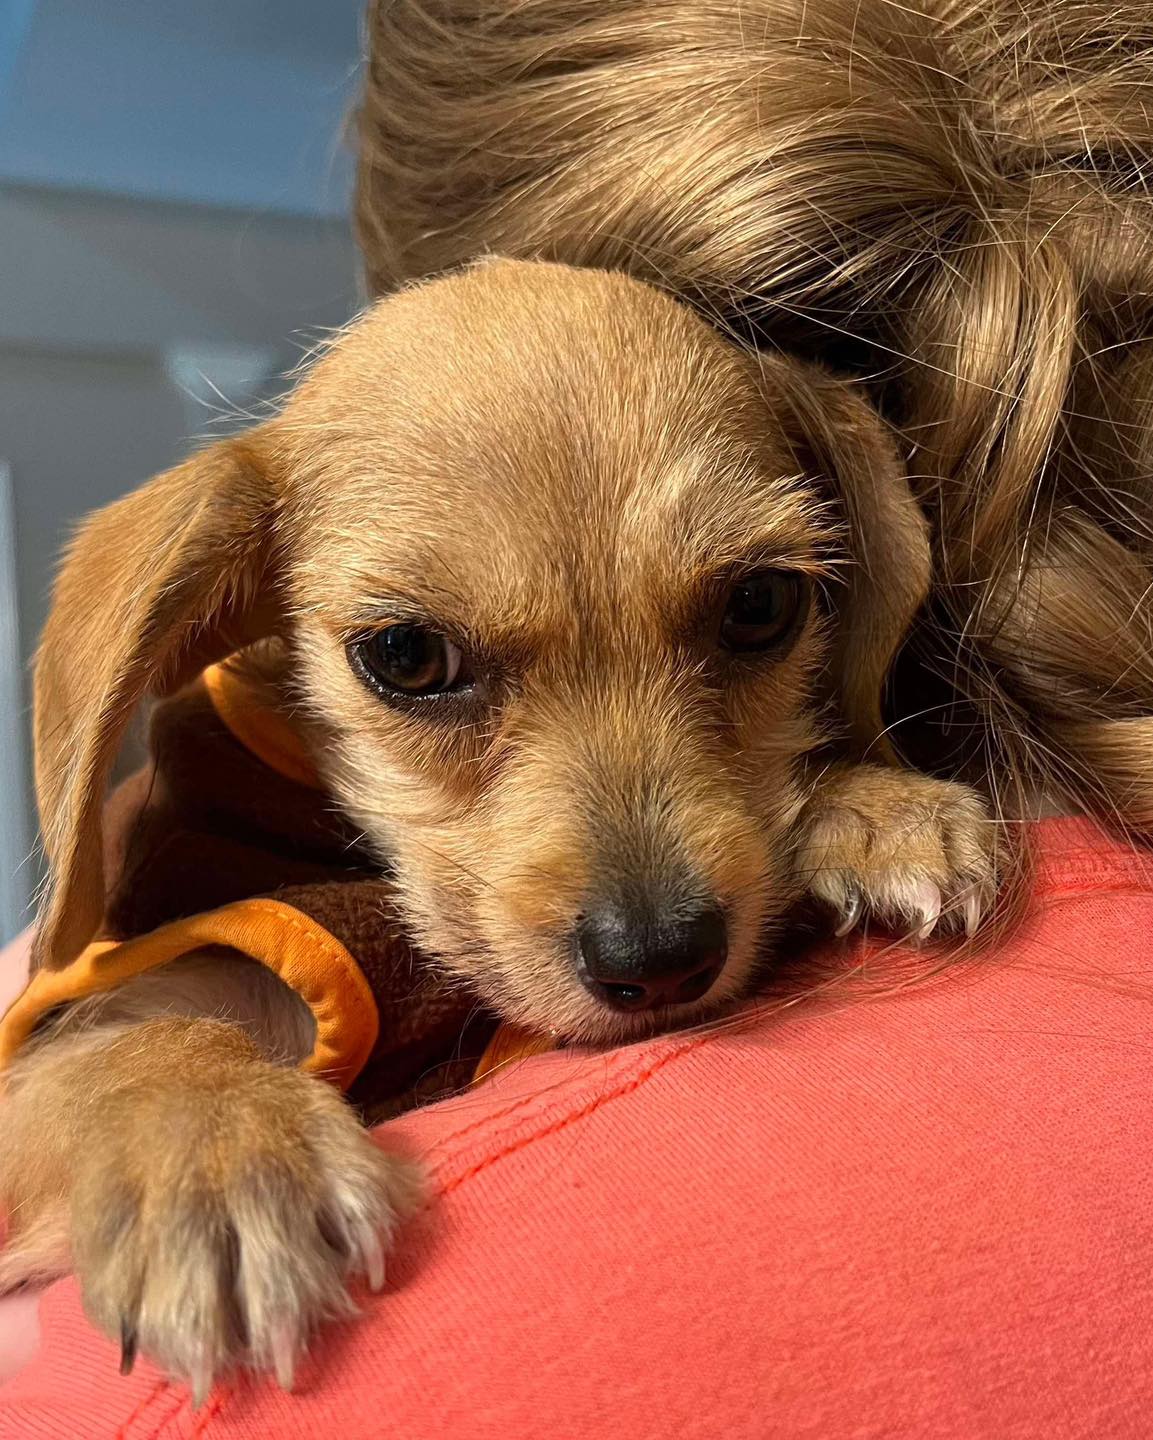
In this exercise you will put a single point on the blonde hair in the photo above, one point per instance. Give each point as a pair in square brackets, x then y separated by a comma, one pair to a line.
[948, 200]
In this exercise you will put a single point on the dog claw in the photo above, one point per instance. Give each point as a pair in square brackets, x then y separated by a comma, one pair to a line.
[284, 1358]
[922, 904]
[335, 1235]
[128, 1343]
[926, 904]
[200, 1381]
[852, 914]
[374, 1264]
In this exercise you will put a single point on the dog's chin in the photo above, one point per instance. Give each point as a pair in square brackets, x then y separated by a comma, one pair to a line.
[571, 1016]
[539, 991]
[601, 1026]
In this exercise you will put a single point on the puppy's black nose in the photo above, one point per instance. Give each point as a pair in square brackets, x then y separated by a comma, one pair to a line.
[636, 962]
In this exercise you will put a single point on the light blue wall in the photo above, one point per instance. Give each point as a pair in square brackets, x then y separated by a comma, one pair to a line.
[220, 102]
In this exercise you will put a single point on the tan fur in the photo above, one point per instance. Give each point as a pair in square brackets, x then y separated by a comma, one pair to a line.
[913, 851]
[565, 469]
[214, 1203]
[217, 984]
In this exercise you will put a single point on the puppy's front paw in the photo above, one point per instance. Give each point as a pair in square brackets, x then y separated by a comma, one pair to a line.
[913, 852]
[220, 1224]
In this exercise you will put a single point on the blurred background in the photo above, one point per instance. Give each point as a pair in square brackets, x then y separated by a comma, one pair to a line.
[174, 190]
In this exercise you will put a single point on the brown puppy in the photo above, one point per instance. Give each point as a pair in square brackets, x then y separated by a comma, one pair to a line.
[589, 614]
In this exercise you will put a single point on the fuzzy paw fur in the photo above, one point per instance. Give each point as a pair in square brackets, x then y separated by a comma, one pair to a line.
[221, 1226]
[916, 854]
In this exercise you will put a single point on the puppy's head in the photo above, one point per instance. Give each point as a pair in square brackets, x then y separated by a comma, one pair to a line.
[570, 587]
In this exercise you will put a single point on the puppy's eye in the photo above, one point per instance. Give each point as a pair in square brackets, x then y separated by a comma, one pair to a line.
[410, 660]
[764, 610]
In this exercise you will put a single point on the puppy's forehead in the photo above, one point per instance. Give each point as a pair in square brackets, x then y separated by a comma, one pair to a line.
[517, 424]
[525, 353]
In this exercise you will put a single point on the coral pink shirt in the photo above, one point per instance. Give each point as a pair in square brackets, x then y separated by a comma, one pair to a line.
[929, 1215]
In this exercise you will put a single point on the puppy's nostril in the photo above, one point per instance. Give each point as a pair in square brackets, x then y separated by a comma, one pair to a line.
[696, 985]
[624, 997]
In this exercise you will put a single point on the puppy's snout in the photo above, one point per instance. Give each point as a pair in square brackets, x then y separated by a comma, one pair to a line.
[635, 961]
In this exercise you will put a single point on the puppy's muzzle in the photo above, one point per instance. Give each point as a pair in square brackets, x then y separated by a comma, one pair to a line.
[633, 959]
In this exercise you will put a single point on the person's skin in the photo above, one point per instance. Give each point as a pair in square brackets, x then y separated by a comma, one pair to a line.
[19, 1321]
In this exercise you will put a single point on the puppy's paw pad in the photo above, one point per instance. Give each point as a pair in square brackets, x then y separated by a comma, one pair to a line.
[914, 853]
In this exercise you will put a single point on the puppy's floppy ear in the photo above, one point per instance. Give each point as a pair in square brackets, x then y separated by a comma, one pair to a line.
[154, 587]
[842, 442]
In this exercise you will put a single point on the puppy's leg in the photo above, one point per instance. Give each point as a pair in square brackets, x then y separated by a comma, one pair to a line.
[915, 852]
[215, 1203]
